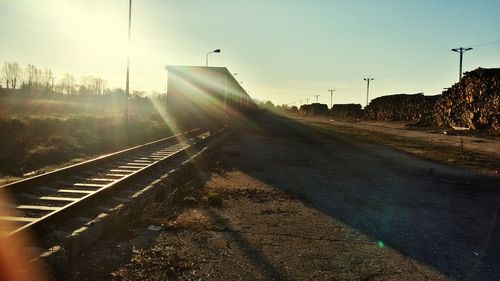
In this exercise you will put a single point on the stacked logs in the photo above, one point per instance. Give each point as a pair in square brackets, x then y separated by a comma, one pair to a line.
[314, 109]
[347, 111]
[414, 108]
[474, 102]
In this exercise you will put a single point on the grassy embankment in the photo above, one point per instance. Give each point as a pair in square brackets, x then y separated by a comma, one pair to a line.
[42, 133]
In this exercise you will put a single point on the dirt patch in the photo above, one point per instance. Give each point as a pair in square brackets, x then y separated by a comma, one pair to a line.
[260, 234]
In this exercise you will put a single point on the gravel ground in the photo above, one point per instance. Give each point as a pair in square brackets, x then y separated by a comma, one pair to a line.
[287, 201]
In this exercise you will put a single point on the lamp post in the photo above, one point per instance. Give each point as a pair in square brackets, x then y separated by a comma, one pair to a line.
[214, 51]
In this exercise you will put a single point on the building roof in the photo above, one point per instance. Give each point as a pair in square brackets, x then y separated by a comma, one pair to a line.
[190, 68]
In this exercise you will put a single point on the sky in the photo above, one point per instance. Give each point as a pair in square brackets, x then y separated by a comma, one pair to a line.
[283, 50]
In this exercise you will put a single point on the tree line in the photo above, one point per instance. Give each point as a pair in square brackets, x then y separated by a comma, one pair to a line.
[35, 80]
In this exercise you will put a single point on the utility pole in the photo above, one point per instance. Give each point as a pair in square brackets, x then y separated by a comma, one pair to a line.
[317, 96]
[331, 97]
[461, 51]
[368, 88]
[307, 100]
[127, 90]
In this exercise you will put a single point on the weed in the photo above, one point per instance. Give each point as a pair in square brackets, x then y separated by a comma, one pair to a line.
[189, 201]
[213, 199]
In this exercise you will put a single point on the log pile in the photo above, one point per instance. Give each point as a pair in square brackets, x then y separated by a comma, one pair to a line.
[474, 102]
[347, 111]
[414, 108]
[314, 109]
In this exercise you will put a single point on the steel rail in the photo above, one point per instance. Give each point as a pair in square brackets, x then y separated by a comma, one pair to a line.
[129, 165]
[52, 175]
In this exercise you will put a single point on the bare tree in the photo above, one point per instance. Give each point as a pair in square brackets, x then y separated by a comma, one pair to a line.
[38, 78]
[5, 75]
[93, 85]
[100, 85]
[15, 72]
[87, 85]
[31, 74]
[68, 82]
[46, 78]
[10, 74]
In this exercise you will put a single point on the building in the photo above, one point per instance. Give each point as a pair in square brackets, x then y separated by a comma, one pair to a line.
[204, 96]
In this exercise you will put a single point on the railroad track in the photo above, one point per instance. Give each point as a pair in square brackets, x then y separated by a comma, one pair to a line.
[43, 199]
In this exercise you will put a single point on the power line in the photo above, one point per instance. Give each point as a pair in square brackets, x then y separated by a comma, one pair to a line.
[486, 44]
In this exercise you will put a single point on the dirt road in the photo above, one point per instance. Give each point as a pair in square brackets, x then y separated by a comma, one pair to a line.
[488, 145]
[303, 203]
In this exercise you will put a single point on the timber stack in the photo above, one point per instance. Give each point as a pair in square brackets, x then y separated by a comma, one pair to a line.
[473, 103]
[347, 111]
[314, 109]
[414, 108]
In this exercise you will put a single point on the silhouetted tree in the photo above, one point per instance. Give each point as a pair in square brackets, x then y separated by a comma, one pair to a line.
[10, 74]
[68, 83]
[269, 104]
[32, 75]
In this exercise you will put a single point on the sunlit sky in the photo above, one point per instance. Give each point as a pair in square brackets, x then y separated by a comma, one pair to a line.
[282, 50]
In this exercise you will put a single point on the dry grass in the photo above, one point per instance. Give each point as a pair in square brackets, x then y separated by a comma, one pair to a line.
[455, 156]
[39, 133]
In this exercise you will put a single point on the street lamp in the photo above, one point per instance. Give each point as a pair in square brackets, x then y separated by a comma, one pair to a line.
[214, 51]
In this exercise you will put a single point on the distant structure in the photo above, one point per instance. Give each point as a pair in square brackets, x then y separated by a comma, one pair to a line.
[350, 111]
[205, 96]
[368, 88]
[331, 97]
[461, 51]
[314, 109]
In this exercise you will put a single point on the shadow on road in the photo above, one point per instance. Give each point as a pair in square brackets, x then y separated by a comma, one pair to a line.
[438, 215]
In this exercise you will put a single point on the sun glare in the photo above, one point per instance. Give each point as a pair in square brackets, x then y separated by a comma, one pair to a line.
[95, 29]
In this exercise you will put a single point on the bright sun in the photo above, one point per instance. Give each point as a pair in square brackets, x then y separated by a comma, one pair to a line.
[98, 28]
